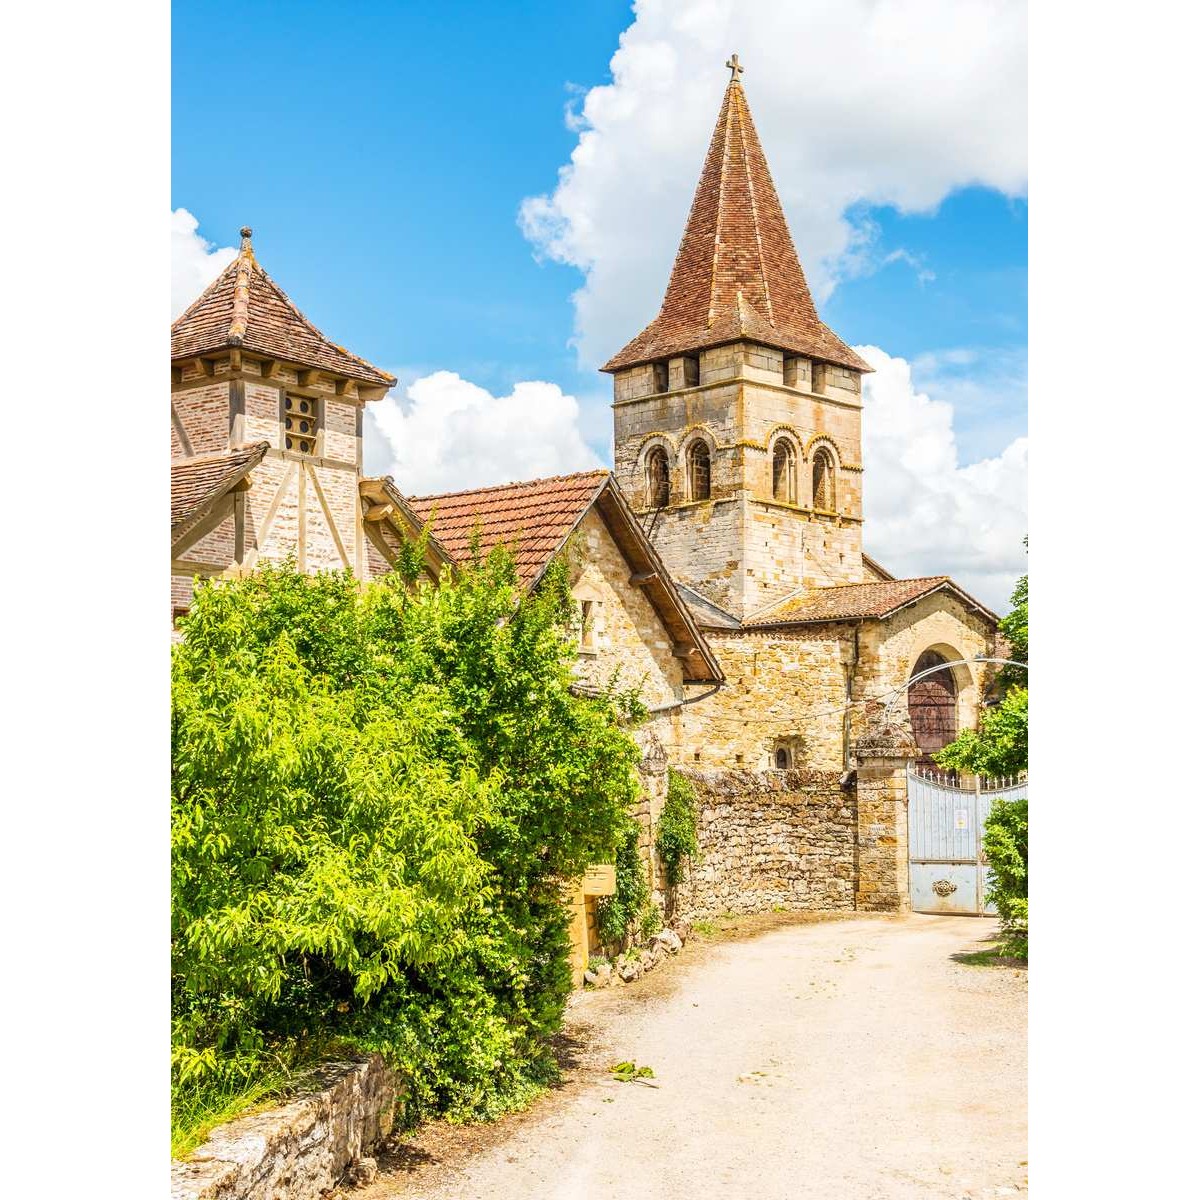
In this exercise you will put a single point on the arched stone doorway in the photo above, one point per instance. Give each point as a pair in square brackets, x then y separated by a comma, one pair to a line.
[933, 707]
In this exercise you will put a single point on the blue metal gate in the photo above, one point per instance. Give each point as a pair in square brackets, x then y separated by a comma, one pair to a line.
[947, 871]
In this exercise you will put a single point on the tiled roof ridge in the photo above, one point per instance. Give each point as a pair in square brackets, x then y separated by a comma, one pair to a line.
[270, 282]
[499, 487]
[833, 587]
[229, 269]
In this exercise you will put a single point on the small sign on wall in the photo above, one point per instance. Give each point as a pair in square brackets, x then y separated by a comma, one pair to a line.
[960, 819]
[600, 879]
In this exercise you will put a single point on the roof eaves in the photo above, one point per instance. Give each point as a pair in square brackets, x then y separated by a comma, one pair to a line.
[255, 452]
[675, 600]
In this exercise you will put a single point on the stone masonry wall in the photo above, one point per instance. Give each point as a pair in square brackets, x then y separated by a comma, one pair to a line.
[743, 548]
[301, 1150]
[770, 839]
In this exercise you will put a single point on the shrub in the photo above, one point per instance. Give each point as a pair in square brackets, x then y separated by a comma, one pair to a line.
[375, 797]
[1001, 744]
[676, 841]
[1006, 844]
[620, 915]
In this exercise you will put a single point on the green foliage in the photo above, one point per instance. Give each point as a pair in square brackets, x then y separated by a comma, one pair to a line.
[375, 797]
[1001, 744]
[618, 916]
[1015, 628]
[1006, 844]
[630, 1072]
[676, 839]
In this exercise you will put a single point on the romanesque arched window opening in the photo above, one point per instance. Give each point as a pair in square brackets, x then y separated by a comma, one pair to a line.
[932, 706]
[783, 472]
[658, 478]
[783, 760]
[824, 497]
[699, 471]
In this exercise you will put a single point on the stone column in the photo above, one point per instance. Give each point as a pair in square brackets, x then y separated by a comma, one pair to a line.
[881, 884]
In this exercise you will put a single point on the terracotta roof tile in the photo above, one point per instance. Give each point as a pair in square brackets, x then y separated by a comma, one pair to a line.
[854, 601]
[533, 516]
[736, 275]
[198, 483]
[244, 307]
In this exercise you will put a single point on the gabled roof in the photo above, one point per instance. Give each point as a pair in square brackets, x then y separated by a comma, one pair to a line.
[859, 601]
[536, 517]
[877, 569]
[708, 615]
[736, 275]
[244, 308]
[198, 483]
[404, 520]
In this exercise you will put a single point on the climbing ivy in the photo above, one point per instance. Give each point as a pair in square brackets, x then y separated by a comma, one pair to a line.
[622, 914]
[676, 841]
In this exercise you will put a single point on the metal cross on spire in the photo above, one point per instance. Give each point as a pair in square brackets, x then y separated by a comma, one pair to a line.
[735, 69]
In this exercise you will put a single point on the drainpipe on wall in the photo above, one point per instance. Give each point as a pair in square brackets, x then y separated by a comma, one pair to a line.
[851, 668]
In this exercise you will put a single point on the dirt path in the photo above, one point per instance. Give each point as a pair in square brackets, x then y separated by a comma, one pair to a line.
[840, 1060]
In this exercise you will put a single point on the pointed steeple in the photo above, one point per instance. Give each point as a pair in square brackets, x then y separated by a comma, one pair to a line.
[244, 308]
[736, 276]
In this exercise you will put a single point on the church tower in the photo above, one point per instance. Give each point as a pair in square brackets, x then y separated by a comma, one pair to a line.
[737, 413]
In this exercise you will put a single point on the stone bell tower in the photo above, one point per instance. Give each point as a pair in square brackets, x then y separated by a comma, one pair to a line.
[737, 413]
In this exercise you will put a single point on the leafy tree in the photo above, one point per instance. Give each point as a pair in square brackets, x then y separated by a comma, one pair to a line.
[376, 797]
[1000, 746]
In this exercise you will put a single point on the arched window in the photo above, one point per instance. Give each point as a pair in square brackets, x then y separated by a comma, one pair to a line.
[658, 478]
[823, 489]
[932, 704]
[783, 472]
[782, 759]
[699, 471]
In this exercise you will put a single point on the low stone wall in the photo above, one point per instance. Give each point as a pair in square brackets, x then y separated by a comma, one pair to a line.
[770, 839]
[301, 1150]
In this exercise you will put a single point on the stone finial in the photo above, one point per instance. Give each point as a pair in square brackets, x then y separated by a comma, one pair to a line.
[735, 69]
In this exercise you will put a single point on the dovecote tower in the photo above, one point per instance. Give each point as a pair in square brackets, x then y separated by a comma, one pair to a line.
[248, 370]
[737, 413]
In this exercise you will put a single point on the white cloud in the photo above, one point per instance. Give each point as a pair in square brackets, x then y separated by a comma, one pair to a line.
[195, 263]
[449, 434]
[856, 101]
[925, 514]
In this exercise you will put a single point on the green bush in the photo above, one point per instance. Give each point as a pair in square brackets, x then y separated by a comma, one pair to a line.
[621, 915]
[376, 795]
[1000, 746]
[1006, 844]
[676, 841]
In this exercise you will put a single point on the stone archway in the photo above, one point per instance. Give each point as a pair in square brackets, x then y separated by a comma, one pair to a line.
[933, 707]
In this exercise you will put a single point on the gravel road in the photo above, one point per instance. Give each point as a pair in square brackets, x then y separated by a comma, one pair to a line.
[848, 1059]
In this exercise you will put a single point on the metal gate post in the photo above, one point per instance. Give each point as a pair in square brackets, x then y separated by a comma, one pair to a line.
[978, 848]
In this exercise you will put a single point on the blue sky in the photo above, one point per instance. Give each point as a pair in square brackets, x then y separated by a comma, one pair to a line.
[383, 153]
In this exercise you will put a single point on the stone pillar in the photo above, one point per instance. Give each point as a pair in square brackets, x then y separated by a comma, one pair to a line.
[881, 884]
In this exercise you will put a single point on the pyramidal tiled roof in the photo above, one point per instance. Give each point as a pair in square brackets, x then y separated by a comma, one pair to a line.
[244, 308]
[736, 275]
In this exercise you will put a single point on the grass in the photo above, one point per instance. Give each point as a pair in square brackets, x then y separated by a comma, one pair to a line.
[194, 1115]
[997, 954]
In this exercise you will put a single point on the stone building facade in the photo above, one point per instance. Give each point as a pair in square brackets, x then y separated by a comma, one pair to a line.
[719, 567]
[737, 420]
